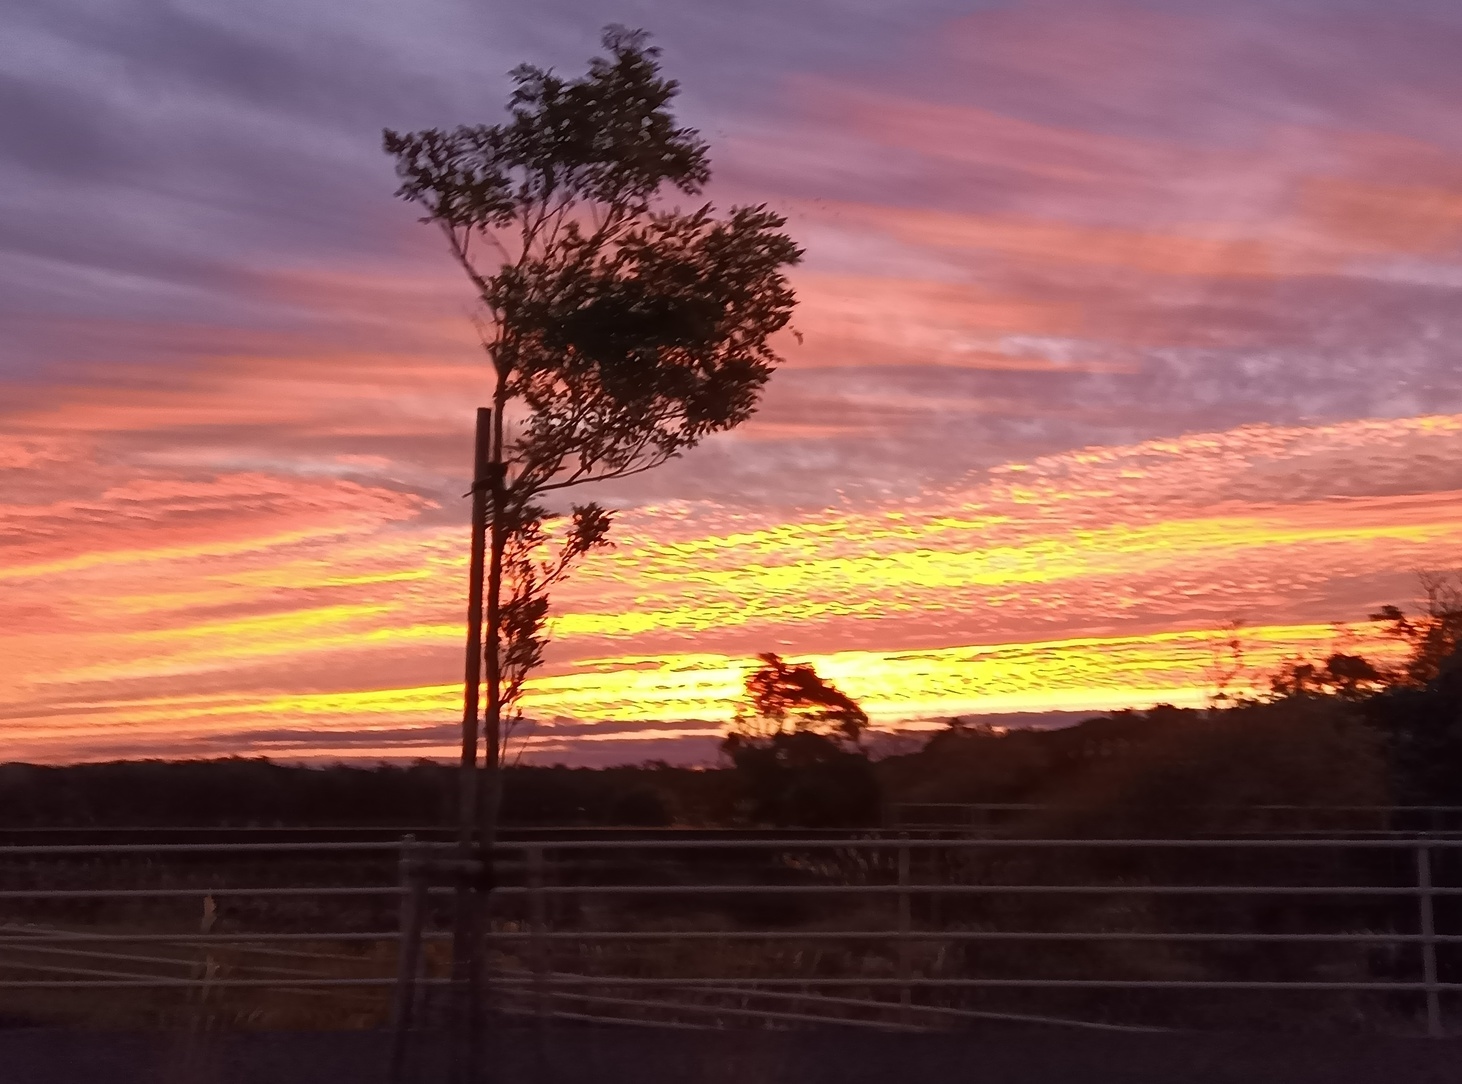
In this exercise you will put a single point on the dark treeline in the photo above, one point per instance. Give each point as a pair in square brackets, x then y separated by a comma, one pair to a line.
[243, 792]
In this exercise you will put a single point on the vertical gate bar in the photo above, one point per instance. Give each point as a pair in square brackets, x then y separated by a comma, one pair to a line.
[537, 927]
[408, 956]
[538, 946]
[905, 925]
[1428, 941]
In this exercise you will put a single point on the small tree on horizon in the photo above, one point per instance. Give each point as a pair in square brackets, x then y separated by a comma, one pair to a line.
[796, 747]
[783, 696]
[621, 330]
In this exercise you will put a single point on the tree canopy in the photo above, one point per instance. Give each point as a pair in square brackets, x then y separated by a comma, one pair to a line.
[782, 696]
[626, 329]
[622, 329]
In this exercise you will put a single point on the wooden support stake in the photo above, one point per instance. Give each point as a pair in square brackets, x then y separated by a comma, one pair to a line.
[466, 953]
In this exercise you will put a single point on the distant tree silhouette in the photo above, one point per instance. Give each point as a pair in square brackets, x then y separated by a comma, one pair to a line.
[1227, 667]
[621, 329]
[1434, 634]
[1415, 707]
[1431, 637]
[780, 696]
[796, 747]
[1349, 677]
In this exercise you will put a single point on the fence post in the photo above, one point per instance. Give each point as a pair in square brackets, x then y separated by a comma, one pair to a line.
[1428, 941]
[537, 927]
[408, 955]
[905, 956]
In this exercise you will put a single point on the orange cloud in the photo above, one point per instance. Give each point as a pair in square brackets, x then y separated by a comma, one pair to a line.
[1385, 218]
[1088, 579]
[1051, 241]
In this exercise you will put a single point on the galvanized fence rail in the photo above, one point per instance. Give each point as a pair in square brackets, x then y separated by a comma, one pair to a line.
[547, 887]
[1353, 821]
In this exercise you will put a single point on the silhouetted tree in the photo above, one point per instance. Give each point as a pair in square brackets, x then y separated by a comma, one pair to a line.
[1434, 634]
[1350, 677]
[780, 696]
[1431, 637]
[1227, 667]
[1415, 707]
[796, 747]
[621, 330]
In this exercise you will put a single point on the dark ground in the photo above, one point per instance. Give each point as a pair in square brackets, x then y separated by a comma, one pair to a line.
[648, 1056]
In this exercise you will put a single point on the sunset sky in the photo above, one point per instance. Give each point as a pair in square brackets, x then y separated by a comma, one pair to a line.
[1119, 321]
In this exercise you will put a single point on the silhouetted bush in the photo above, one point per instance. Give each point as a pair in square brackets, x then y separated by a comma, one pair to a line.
[1421, 729]
[641, 807]
[805, 779]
